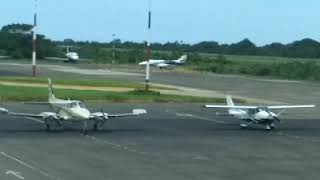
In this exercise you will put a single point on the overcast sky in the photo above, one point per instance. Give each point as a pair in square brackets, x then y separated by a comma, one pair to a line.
[190, 21]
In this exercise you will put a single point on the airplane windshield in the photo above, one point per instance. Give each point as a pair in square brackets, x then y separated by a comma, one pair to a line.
[82, 105]
[73, 105]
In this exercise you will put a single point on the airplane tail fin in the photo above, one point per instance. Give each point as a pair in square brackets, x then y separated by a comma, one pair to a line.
[68, 49]
[50, 90]
[229, 101]
[183, 58]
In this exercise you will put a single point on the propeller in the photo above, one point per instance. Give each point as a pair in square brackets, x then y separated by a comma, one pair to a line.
[274, 116]
[105, 116]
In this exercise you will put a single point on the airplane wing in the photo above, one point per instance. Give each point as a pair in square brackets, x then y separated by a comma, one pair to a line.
[135, 112]
[228, 107]
[290, 107]
[56, 58]
[43, 115]
[260, 107]
[37, 103]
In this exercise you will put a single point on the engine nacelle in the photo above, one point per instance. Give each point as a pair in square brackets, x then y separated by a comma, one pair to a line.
[4, 110]
[49, 115]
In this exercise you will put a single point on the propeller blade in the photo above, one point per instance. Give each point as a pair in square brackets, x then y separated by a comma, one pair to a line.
[276, 118]
[104, 115]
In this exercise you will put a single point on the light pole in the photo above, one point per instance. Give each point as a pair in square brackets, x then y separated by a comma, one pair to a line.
[148, 47]
[113, 48]
[34, 39]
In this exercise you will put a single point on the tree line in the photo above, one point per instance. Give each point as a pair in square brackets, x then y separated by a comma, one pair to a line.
[19, 45]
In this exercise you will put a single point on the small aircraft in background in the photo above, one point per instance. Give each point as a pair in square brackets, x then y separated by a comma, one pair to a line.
[72, 111]
[255, 114]
[71, 57]
[5, 57]
[162, 64]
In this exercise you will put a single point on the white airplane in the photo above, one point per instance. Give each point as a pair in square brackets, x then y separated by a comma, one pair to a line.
[160, 63]
[71, 57]
[4, 57]
[72, 111]
[255, 114]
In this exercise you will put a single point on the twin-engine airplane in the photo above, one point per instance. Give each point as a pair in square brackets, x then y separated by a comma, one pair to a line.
[73, 111]
[255, 114]
[160, 63]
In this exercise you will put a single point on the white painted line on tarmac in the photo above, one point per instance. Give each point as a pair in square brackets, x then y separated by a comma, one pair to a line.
[17, 160]
[28, 166]
[117, 146]
[35, 120]
[14, 173]
[200, 117]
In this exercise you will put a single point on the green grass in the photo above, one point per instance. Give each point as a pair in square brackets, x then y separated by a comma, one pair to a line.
[23, 94]
[79, 82]
[257, 59]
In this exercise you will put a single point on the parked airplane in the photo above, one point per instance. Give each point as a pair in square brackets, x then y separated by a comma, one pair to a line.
[71, 110]
[4, 57]
[71, 57]
[255, 114]
[160, 63]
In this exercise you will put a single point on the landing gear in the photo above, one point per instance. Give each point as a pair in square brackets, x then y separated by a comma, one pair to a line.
[243, 126]
[48, 128]
[98, 124]
[268, 127]
[84, 130]
[95, 127]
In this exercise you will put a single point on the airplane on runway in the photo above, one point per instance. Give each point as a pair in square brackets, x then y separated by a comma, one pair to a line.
[71, 57]
[71, 110]
[255, 114]
[160, 63]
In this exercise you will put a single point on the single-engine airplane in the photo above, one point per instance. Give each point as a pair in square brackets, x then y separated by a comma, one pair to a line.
[70, 56]
[255, 114]
[160, 63]
[71, 110]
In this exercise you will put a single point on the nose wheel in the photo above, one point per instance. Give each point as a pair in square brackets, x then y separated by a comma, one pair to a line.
[48, 128]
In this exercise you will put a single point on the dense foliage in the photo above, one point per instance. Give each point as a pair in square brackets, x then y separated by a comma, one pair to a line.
[18, 44]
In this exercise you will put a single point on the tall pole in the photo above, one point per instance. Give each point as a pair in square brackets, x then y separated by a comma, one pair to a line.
[148, 47]
[34, 40]
[113, 49]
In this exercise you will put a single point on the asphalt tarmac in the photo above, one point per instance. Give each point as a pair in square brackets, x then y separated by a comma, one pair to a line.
[173, 141]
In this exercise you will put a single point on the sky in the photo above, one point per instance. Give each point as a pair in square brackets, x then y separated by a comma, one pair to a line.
[189, 21]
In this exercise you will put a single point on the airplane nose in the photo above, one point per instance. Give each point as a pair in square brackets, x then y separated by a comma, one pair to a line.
[84, 114]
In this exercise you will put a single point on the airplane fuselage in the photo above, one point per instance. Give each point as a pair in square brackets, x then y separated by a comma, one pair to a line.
[260, 116]
[72, 56]
[70, 110]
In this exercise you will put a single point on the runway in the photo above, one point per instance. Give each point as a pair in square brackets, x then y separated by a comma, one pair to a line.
[173, 141]
[264, 89]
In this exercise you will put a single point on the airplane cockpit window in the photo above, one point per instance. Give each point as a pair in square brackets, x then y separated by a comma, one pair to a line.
[73, 105]
[81, 105]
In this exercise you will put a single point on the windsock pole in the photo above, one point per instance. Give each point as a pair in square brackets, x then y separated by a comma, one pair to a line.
[34, 41]
[148, 48]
